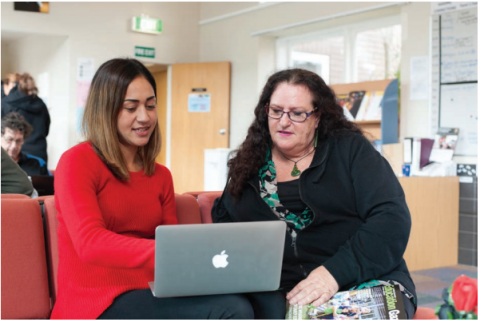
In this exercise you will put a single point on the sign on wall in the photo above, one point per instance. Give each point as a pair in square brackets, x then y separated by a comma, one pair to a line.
[147, 52]
[147, 25]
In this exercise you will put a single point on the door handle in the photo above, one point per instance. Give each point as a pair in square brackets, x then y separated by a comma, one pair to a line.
[222, 131]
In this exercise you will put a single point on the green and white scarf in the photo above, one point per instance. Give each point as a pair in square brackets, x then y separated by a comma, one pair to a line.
[268, 192]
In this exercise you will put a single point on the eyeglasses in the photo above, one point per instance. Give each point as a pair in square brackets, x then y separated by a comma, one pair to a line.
[297, 117]
[10, 140]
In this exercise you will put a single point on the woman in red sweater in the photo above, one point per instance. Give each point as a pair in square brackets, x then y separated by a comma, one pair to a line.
[110, 196]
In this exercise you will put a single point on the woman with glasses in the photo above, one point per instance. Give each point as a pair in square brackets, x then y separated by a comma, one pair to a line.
[302, 162]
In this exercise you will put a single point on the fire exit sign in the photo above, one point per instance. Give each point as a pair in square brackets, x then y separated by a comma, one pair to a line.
[144, 52]
[147, 25]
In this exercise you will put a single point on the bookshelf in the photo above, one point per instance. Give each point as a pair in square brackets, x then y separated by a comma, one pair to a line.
[385, 130]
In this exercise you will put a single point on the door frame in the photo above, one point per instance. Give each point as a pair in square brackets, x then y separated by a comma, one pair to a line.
[167, 132]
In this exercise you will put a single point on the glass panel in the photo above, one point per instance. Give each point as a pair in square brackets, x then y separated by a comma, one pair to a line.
[377, 53]
[325, 57]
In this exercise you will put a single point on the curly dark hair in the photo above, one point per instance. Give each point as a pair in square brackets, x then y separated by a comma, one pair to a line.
[250, 155]
[15, 121]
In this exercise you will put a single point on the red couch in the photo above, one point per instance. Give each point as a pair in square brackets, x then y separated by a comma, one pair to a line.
[30, 251]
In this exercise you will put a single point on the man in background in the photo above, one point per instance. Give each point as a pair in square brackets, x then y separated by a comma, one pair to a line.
[14, 179]
[15, 129]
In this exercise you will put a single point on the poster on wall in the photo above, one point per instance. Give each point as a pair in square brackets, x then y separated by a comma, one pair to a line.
[85, 72]
[459, 110]
[419, 78]
[85, 69]
[41, 7]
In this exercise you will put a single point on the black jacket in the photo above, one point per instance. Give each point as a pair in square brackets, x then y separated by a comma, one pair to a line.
[32, 165]
[3, 92]
[361, 221]
[36, 113]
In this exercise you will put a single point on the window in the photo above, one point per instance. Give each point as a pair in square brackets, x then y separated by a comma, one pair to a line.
[377, 53]
[355, 53]
[324, 56]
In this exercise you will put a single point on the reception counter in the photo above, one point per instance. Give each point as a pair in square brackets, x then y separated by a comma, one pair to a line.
[434, 207]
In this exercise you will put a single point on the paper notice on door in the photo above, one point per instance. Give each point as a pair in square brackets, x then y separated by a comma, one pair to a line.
[199, 102]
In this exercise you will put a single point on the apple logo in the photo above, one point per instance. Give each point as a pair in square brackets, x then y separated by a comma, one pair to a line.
[220, 260]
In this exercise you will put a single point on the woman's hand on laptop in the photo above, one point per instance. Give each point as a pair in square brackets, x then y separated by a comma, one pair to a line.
[318, 288]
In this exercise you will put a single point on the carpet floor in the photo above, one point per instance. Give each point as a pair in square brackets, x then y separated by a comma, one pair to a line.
[430, 283]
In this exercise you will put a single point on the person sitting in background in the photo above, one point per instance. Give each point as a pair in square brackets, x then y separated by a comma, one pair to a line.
[15, 129]
[9, 84]
[14, 179]
[110, 196]
[25, 101]
[303, 162]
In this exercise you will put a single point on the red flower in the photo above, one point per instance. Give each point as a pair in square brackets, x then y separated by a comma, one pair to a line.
[464, 294]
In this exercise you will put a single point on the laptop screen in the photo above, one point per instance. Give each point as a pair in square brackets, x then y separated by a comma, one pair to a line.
[43, 185]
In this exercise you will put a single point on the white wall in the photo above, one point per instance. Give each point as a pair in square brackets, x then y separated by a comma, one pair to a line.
[415, 42]
[100, 31]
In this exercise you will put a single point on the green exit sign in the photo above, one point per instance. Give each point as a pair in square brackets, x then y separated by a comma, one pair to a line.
[146, 24]
[144, 52]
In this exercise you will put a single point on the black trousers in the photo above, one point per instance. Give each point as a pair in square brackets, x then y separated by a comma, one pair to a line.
[141, 304]
[409, 308]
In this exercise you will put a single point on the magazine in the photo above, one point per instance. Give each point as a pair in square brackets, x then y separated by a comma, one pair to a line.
[342, 101]
[374, 108]
[353, 102]
[444, 144]
[363, 106]
[376, 303]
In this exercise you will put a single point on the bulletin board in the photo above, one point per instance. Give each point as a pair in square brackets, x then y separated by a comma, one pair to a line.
[459, 109]
[454, 76]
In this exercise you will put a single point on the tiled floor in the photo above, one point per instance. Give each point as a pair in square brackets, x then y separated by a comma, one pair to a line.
[430, 283]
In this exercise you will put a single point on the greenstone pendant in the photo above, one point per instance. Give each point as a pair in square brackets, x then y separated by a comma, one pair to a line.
[295, 172]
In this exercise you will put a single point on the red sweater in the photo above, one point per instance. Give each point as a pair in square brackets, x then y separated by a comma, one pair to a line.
[106, 231]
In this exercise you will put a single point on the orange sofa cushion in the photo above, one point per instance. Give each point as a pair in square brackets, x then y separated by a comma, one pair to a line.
[25, 293]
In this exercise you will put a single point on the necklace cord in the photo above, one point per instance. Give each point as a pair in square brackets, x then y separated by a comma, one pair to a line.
[303, 157]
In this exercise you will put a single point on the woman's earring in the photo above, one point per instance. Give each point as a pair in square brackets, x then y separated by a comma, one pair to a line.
[316, 139]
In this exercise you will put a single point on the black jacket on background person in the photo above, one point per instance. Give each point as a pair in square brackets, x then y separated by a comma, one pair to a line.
[361, 220]
[32, 165]
[36, 113]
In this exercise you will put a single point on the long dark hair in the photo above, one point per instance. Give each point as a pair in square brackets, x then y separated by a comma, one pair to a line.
[104, 102]
[250, 156]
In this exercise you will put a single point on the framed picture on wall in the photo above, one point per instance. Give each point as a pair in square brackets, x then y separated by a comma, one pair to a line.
[41, 7]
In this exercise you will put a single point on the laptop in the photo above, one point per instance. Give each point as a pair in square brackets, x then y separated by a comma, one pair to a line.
[43, 185]
[224, 258]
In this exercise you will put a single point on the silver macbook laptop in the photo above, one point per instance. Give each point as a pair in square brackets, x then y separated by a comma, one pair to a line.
[222, 258]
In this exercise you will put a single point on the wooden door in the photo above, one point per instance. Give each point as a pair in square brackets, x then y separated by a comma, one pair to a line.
[194, 131]
[161, 80]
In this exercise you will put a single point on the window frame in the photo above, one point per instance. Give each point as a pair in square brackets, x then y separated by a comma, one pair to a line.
[348, 31]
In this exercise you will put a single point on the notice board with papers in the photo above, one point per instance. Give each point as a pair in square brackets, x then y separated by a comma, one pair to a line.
[454, 76]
